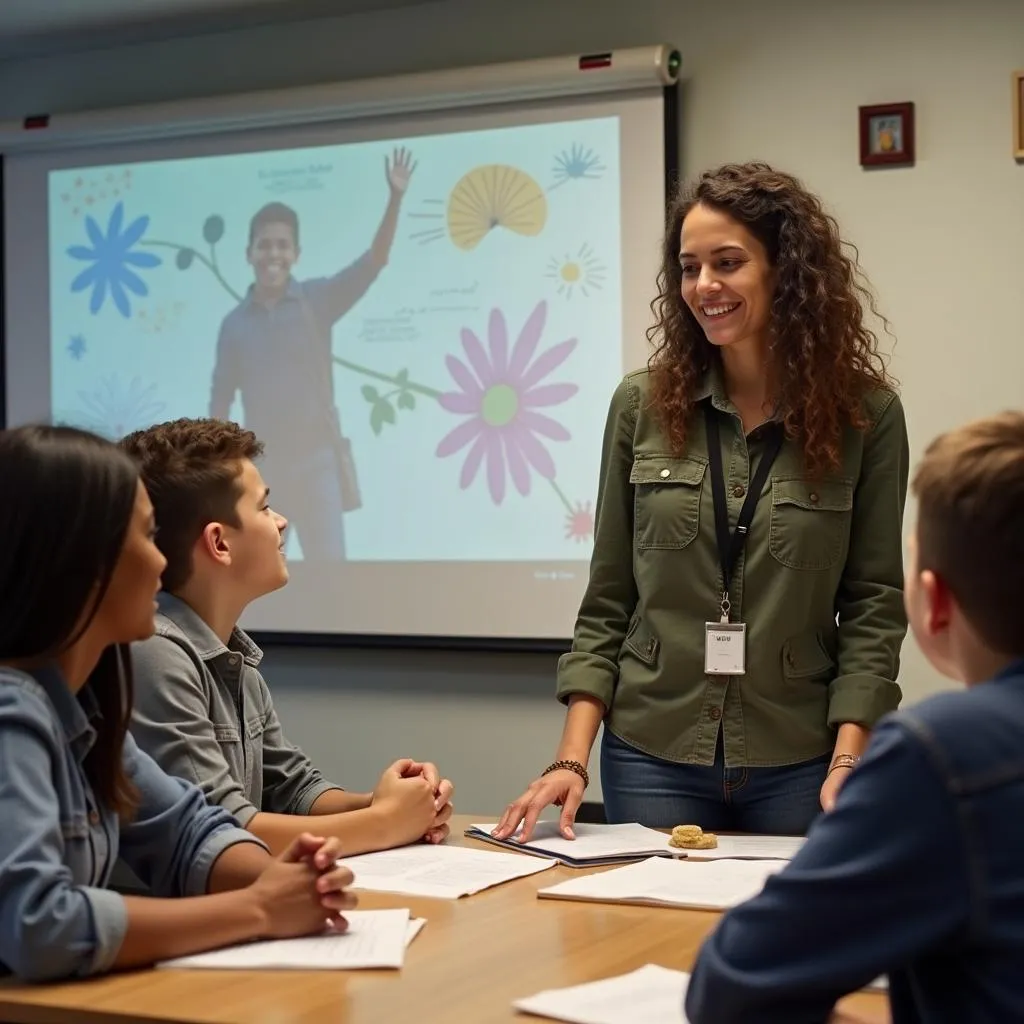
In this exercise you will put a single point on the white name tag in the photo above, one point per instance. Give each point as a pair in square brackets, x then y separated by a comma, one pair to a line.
[725, 648]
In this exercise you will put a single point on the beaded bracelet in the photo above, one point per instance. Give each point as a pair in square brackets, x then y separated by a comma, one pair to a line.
[572, 766]
[843, 761]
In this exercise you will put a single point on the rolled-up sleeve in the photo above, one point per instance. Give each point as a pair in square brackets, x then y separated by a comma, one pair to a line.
[591, 667]
[171, 723]
[872, 619]
[50, 928]
[175, 836]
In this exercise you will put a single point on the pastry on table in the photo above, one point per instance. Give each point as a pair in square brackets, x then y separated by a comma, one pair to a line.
[692, 837]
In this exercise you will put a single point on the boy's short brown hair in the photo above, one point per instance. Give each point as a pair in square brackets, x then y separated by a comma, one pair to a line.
[274, 213]
[190, 468]
[970, 524]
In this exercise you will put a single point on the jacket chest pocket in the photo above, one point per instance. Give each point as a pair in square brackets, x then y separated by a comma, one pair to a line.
[255, 727]
[810, 525]
[226, 735]
[667, 496]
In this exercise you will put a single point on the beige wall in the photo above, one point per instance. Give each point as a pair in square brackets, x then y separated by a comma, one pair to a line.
[941, 241]
[781, 82]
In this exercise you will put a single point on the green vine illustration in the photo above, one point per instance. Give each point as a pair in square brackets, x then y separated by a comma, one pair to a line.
[381, 409]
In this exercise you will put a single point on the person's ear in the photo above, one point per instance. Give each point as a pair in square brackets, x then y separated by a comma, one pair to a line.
[214, 543]
[938, 603]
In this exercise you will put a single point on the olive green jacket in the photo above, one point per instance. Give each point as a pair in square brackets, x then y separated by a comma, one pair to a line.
[819, 585]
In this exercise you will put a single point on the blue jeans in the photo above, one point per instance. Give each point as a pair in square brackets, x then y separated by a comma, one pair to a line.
[307, 492]
[662, 794]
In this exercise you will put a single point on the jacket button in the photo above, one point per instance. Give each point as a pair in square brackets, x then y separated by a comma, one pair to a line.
[738, 491]
[814, 497]
[664, 474]
[714, 714]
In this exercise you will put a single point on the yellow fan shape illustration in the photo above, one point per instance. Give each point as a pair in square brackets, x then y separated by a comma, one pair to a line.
[494, 196]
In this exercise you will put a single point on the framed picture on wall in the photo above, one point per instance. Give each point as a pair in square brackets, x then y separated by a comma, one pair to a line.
[887, 135]
[1018, 114]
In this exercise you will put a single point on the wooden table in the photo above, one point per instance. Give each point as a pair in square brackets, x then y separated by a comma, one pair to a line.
[473, 958]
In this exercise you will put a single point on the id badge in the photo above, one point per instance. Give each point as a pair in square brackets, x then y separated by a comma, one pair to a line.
[725, 646]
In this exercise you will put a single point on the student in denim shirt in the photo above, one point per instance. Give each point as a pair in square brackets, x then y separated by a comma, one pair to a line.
[919, 871]
[203, 710]
[78, 573]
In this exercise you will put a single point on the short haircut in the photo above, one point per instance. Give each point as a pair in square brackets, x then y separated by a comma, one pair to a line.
[190, 468]
[970, 525]
[274, 213]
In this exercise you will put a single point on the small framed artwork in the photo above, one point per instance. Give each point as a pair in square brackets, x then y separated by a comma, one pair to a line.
[1018, 114]
[887, 135]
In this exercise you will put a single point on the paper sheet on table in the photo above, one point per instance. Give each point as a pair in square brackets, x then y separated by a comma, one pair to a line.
[698, 885]
[650, 994]
[594, 844]
[751, 848]
[375, 938]
[444, 872]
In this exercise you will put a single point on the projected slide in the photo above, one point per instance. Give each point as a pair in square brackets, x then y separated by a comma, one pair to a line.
[424, 332]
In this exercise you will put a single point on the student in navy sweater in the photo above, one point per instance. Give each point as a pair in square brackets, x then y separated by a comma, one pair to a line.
[918, 873]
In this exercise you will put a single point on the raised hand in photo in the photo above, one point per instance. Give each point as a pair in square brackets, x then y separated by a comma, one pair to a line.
[398, 168]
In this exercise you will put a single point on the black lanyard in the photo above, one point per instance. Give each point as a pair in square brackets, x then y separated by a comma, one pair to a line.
[730, 545]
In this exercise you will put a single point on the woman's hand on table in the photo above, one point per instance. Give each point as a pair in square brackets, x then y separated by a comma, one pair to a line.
[561, 788]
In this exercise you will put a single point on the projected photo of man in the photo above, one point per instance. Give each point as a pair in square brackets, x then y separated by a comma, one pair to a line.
[274, 350]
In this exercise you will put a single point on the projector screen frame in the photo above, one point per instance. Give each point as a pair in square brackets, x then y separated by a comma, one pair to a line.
[3, 298]
[378, 641]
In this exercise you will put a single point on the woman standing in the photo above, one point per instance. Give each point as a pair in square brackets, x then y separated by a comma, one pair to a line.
[741, 629]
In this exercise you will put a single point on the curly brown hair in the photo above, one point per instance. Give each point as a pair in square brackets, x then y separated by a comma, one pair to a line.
[823, 357]
[190, 468]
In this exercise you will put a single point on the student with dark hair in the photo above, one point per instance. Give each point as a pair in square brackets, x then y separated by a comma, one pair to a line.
[79, 572]
[918, 873]
[274, 350]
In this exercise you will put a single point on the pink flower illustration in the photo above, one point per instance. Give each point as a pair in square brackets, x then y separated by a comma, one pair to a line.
[500, 393]
[579, 524]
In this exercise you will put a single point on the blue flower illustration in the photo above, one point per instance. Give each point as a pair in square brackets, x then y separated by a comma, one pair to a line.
[77, 346]
[114, 408]
[111, 257]
[577, 162]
